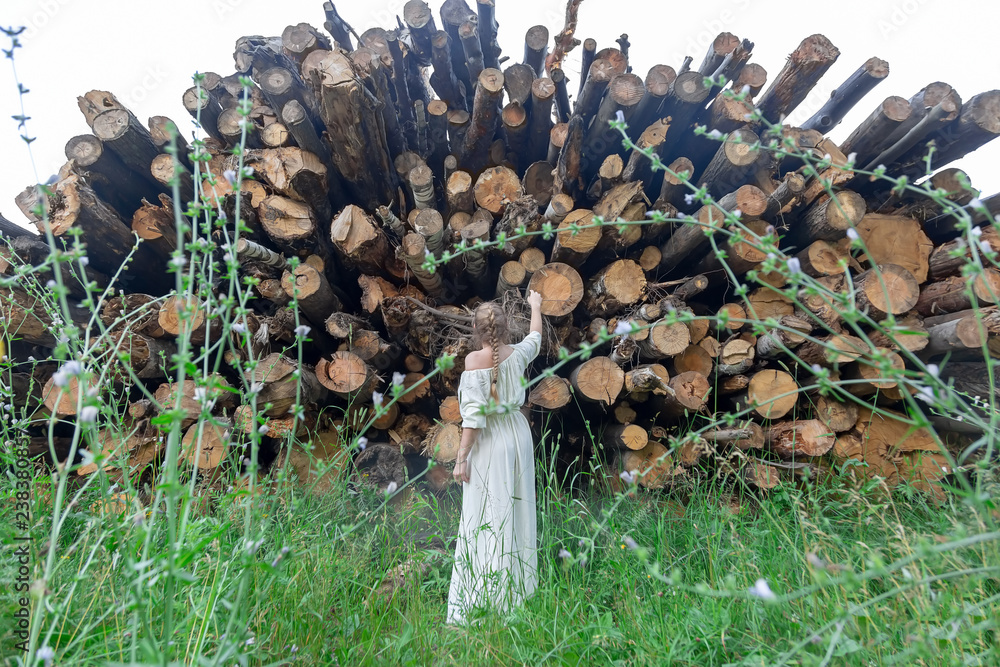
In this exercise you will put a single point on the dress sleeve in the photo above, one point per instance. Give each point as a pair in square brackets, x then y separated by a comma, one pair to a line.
[470, 401]
[529, 346]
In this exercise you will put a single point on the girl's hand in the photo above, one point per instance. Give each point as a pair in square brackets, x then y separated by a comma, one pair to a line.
[534, 299]
[461, 472]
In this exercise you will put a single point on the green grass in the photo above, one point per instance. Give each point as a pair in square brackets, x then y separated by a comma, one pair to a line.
[322, 597]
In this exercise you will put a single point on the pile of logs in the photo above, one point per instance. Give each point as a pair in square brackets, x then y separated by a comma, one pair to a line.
[370, 152]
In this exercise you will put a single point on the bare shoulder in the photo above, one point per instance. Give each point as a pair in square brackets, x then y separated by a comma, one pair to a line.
[480, 359]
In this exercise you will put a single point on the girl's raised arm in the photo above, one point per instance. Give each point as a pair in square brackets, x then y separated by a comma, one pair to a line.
[535, 301]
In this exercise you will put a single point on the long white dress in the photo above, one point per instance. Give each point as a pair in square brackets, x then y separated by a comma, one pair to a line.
[496, 559]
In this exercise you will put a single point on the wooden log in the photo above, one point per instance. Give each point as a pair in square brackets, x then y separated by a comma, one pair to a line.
[598, 379]
[806, 64]
[557, 139]
[205, 107]
[495, 188]
[847, 95]
[694, 358]
[625, 436]
[950, 295]
[420, 21]
[551, 393]
[315, 296]
[443, 79]
[735, 357]
[346, 375]
[896, 240]
[568, 174]
[413, 250]
[831, 350]
[205, 444]
[624, 93]
[673, 188]
[779, 340]
[468, 35]
[646, 379]
[664, 340]
[798, 438]
[459, 192]
[828, 218]
[560, 286]
[689, 395]
[113, 181]
[351, 121]
[773, 393]
[969, 330]
[483, 122]
[536, 41]
[869, 138]
[822, 258]
[744, 435]
[563, 111]
[283, 383]
[886, 289]
[359, 241]
[866, 377]
[599, 75]
[476, 259]
[652, 465]
[732, 164]
[576, 237]
[290, 224]
[619, 284]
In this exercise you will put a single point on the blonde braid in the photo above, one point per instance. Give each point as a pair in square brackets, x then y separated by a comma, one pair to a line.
[495, 346]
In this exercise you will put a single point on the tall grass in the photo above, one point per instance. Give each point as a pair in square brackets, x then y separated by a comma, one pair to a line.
[252, 568]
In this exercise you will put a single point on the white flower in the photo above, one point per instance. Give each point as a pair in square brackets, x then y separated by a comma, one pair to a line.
[623, 327]
[87, 456]
[391, 488]
[737, 213]
[264, 429]
[761, 590]
[249, 642]
[179, 261]
[794, 265]
[769, 230]
[926, 394]
[852, 157]
[302, 330]
[228, 257]
[627, 477]
[933, 369]
[714, 134]
[61, 377]
[985, 247]
[976, 231]
[377, 397]
[51, 284]
[689, 199]
[84, 261]
[619, 116]
[852, 234]
[88, 415]
[362, 442]
[398, 378]
[230, 175]
[816, 561]
[976, 203]
[564, 554]
[239, 327]
[255, 387]
[45, 653]
[630, 543]
[745, 89]
[816, 369]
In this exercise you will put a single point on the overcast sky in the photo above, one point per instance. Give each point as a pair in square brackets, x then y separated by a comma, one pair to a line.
[145, 53]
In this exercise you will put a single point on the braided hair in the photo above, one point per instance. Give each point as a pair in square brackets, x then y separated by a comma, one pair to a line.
[491, 328]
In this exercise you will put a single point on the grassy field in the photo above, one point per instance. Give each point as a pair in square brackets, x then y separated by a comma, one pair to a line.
[858, 578]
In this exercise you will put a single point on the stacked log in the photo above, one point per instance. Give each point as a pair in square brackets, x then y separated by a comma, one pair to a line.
[363, 161]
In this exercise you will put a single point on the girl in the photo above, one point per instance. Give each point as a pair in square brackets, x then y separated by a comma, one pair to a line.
[496, 551]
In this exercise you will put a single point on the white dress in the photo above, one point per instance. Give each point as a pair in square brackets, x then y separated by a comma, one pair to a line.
[496, 559]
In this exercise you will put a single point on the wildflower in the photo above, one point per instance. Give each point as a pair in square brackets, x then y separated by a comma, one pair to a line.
[714, 134]
[250, 641]
[623, 327]
[264, 429]
[239, 327]
[564, 554]
[745, 89]
[852, 157]
[51, 284]
[985, 247]
[179, 261]
[976, 203]
[255, 387]
[689, 199]
[627, 477]
[302, 330]
[84, 261]
[88, 415]
[816, 561]
[630, 543]
[976, 231]
[398, 378]
[933, 369]
[362, 442]
[761, 590]
[852, 234]
[294, 648]
[926, 394]
[816, 369]
[45, 653]
[230, 175]
[377, 397]
[737, 213]
[619, 116]
[61, 377]
[87, 456]
[228, 257]
[391, 488]
[794, 265]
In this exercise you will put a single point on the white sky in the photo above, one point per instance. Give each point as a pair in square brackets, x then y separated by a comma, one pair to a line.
[145, 52]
